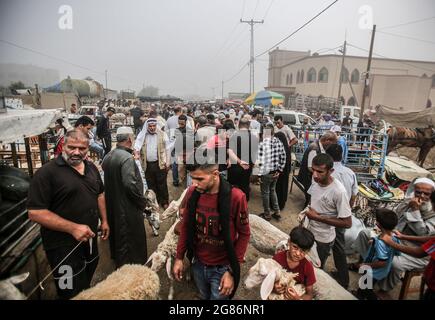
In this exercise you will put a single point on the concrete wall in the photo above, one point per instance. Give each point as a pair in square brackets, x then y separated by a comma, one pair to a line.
[51, 100]
[379, 67]
[279, 58]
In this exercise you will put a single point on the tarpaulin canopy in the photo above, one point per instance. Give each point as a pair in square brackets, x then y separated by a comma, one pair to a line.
[19, 124]
[265, 98]
[405, 169]
[401, 118]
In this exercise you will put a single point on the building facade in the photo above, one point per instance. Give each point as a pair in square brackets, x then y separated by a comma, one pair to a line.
[405, 84]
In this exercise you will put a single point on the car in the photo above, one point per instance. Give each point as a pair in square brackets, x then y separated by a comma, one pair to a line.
[294, 119]
[90, 111]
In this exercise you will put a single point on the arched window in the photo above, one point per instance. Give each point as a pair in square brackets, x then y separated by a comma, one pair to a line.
[354, 78]
[311, 75]
[433, 81]
[291, 78]
[302, 76]
[351, 101]
[323, 75]
[286, 80]
[344, 75]
[298, 77]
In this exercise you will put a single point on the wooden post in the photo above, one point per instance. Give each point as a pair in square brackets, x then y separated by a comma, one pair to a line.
[28, 157]
[14, 154]
[366, 81]
[43, 148]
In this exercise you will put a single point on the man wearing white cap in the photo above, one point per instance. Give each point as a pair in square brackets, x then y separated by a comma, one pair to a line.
[125, 202]
[416, 218]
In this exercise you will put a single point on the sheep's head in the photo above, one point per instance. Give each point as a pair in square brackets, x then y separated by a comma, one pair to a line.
[259, 271]
[151, 201]
[158, 260]
[8, 290]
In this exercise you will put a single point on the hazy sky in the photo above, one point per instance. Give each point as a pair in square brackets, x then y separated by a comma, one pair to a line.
[190, 46]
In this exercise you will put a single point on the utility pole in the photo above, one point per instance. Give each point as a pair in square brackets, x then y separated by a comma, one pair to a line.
[105, 73]
[251, 60]
[341, 71]
[366, 80]
[222, 89]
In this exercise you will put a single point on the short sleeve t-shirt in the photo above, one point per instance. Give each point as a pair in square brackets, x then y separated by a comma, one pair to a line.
[61, 189]
[331, 201]
[287, 131]
[429, 274]
[305, 270]
[380, 251]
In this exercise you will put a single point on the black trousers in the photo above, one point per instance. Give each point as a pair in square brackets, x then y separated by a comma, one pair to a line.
[240, 178]
[156, 180]
[340, 258]
[75, 273]
[107, 144]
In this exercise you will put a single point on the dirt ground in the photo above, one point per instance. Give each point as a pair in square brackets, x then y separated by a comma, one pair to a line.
[412, 154]
[187, 290]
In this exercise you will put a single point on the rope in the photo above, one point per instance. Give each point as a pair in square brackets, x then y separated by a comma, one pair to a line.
[52, 271]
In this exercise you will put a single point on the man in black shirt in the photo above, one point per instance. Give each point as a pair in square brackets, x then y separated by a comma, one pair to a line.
[244, 145]
[66, 197]
[103, 130]
[137, 113]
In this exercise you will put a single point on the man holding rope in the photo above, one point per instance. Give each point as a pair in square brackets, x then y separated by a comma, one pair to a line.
[66, 197]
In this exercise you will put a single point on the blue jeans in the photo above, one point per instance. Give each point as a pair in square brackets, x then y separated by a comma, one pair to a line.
[99, 150]
[208, 279]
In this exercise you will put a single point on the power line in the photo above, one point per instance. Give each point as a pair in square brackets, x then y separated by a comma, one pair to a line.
[267, 11]
[243, 9]
[255, 10]
[382, 56]
[238, 72]
[301, 27]
[103, 73]
[406, 37]
[51, 57]
[407, 23]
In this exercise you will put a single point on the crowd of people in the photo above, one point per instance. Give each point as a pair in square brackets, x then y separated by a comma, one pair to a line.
[217, 153]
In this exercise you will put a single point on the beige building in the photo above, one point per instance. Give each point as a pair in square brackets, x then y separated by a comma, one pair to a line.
[406, 84]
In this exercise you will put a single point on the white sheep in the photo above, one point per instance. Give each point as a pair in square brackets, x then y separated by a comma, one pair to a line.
[267, 272]
[167, 249]
[8, 290]
[151, 212]
[130, 282]
[325, 288]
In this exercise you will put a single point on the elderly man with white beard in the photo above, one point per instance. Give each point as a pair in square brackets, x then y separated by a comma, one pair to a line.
[416, 218]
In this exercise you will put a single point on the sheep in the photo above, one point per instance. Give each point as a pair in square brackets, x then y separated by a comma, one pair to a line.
[267, 272]
[325, 288]
[151, 212]
[172, 209]
[167, 249]
[8, 290]
[130, 282]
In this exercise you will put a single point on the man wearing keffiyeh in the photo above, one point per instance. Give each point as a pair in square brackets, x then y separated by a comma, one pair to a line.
[153, 147]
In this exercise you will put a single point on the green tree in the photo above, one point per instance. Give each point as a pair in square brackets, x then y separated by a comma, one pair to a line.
[17, 85]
